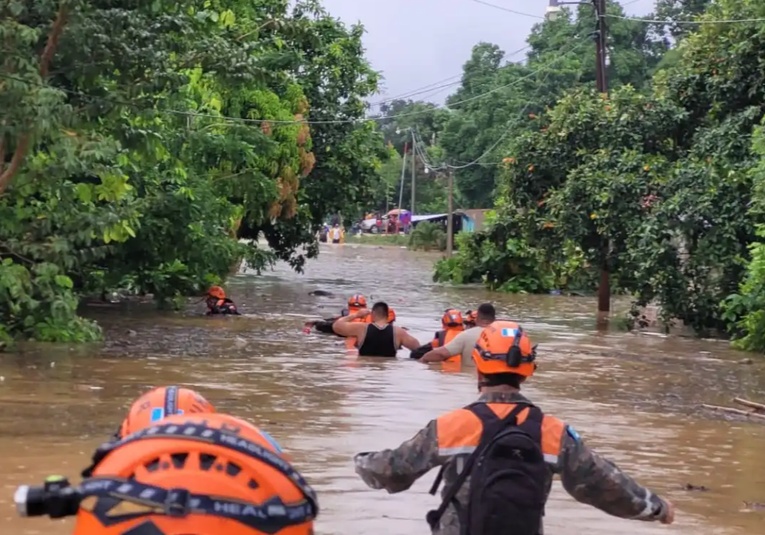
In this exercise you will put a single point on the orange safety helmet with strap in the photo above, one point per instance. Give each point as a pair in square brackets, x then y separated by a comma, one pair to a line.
[504, 347]
[205, 474]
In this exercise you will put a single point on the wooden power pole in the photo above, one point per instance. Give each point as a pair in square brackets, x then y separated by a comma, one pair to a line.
[450, 220]
[601, 50]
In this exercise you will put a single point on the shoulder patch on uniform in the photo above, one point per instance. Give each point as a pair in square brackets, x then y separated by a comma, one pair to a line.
[573, 434]
[509, 333]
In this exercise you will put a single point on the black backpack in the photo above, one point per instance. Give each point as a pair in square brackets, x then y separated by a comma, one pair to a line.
[508, 477]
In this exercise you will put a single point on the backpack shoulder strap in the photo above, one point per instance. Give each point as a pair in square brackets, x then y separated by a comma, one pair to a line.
[532, 425]
[492, 425]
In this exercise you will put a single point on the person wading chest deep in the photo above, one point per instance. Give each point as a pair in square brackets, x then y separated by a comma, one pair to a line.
[378, 338]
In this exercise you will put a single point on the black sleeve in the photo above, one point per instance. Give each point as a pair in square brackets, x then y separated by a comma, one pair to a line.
[420, 351]
[324, 327]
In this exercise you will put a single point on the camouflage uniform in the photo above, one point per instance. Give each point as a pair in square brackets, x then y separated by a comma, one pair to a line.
[586, 476]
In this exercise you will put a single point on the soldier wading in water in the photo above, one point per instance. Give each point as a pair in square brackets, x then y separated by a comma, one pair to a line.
[499, 455]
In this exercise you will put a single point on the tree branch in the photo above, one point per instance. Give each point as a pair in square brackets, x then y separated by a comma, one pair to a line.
[45, 59]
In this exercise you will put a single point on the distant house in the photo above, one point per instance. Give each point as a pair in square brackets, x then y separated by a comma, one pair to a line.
[464, 220]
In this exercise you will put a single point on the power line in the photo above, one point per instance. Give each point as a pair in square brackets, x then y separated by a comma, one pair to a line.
[507, 9]
[503, 136]
[421, 89]
[424, 89]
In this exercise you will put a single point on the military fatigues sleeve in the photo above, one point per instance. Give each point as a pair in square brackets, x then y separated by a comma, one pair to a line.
[598, 482]
[396, 470]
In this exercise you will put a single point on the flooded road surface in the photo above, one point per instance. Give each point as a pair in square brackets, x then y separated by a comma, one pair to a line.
[633, 397]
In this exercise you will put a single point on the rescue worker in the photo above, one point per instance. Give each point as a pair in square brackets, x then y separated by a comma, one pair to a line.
[203, 474]
[452, 324]
[160, 403]
[355, 303]
[376, 337]
[504, 359]
[218, 303]
[464, 342]
[470, 317]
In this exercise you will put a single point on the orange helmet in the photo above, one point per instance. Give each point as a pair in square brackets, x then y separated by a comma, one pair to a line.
[216, 292]
[159, 403]
[391, 315]
[357, 301]
[452, 318]
[204, 474]
[504, 347]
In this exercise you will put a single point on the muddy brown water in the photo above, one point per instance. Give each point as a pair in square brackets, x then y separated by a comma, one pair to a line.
[632, 397]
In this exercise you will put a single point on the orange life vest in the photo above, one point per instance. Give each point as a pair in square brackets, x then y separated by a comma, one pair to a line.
[445, 336]
[459, 432]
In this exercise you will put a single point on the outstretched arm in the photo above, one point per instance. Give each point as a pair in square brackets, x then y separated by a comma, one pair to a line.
[407, 340]
[596, 481]
[396, 470]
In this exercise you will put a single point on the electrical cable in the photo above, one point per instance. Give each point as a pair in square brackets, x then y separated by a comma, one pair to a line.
[428, 88]
[503, 8]
[501, 137]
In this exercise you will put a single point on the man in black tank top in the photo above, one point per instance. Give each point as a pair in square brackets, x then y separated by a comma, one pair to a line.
[378, 338]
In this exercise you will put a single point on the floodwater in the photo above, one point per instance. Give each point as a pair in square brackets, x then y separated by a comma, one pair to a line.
[633, 397]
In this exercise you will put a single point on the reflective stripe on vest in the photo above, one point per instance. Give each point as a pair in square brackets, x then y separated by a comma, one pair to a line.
[459, 432]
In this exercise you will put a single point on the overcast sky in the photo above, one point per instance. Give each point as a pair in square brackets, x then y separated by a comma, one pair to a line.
[416, 43]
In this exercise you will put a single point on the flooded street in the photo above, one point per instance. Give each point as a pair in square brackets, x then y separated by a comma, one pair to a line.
[634, 398]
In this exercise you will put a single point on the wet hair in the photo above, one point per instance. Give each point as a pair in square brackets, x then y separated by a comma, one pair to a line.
[486, 312]
[380, 310]
[497, 379]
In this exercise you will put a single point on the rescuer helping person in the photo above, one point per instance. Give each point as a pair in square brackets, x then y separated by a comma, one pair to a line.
[452, 324]
[492, 489]
[376, 337]
[355, 303]
[464, 342]
[206, 474]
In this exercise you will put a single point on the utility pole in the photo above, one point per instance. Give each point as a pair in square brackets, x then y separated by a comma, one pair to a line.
[414, 169]
[450, 220]
[403, 177]
[604, 286]
[601, 51]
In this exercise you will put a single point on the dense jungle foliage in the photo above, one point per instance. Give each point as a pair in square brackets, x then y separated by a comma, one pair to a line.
[660, 181]
[140, 140]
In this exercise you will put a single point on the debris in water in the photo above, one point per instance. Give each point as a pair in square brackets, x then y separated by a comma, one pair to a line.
[730, 410]
[754, 506]
[758, 407]
[321, 293]
[699, 488]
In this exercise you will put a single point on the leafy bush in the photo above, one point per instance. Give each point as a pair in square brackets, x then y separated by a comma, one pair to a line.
[427, 236]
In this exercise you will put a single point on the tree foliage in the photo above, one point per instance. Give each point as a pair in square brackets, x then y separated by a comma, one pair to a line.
[139, 141]
[657, 182]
